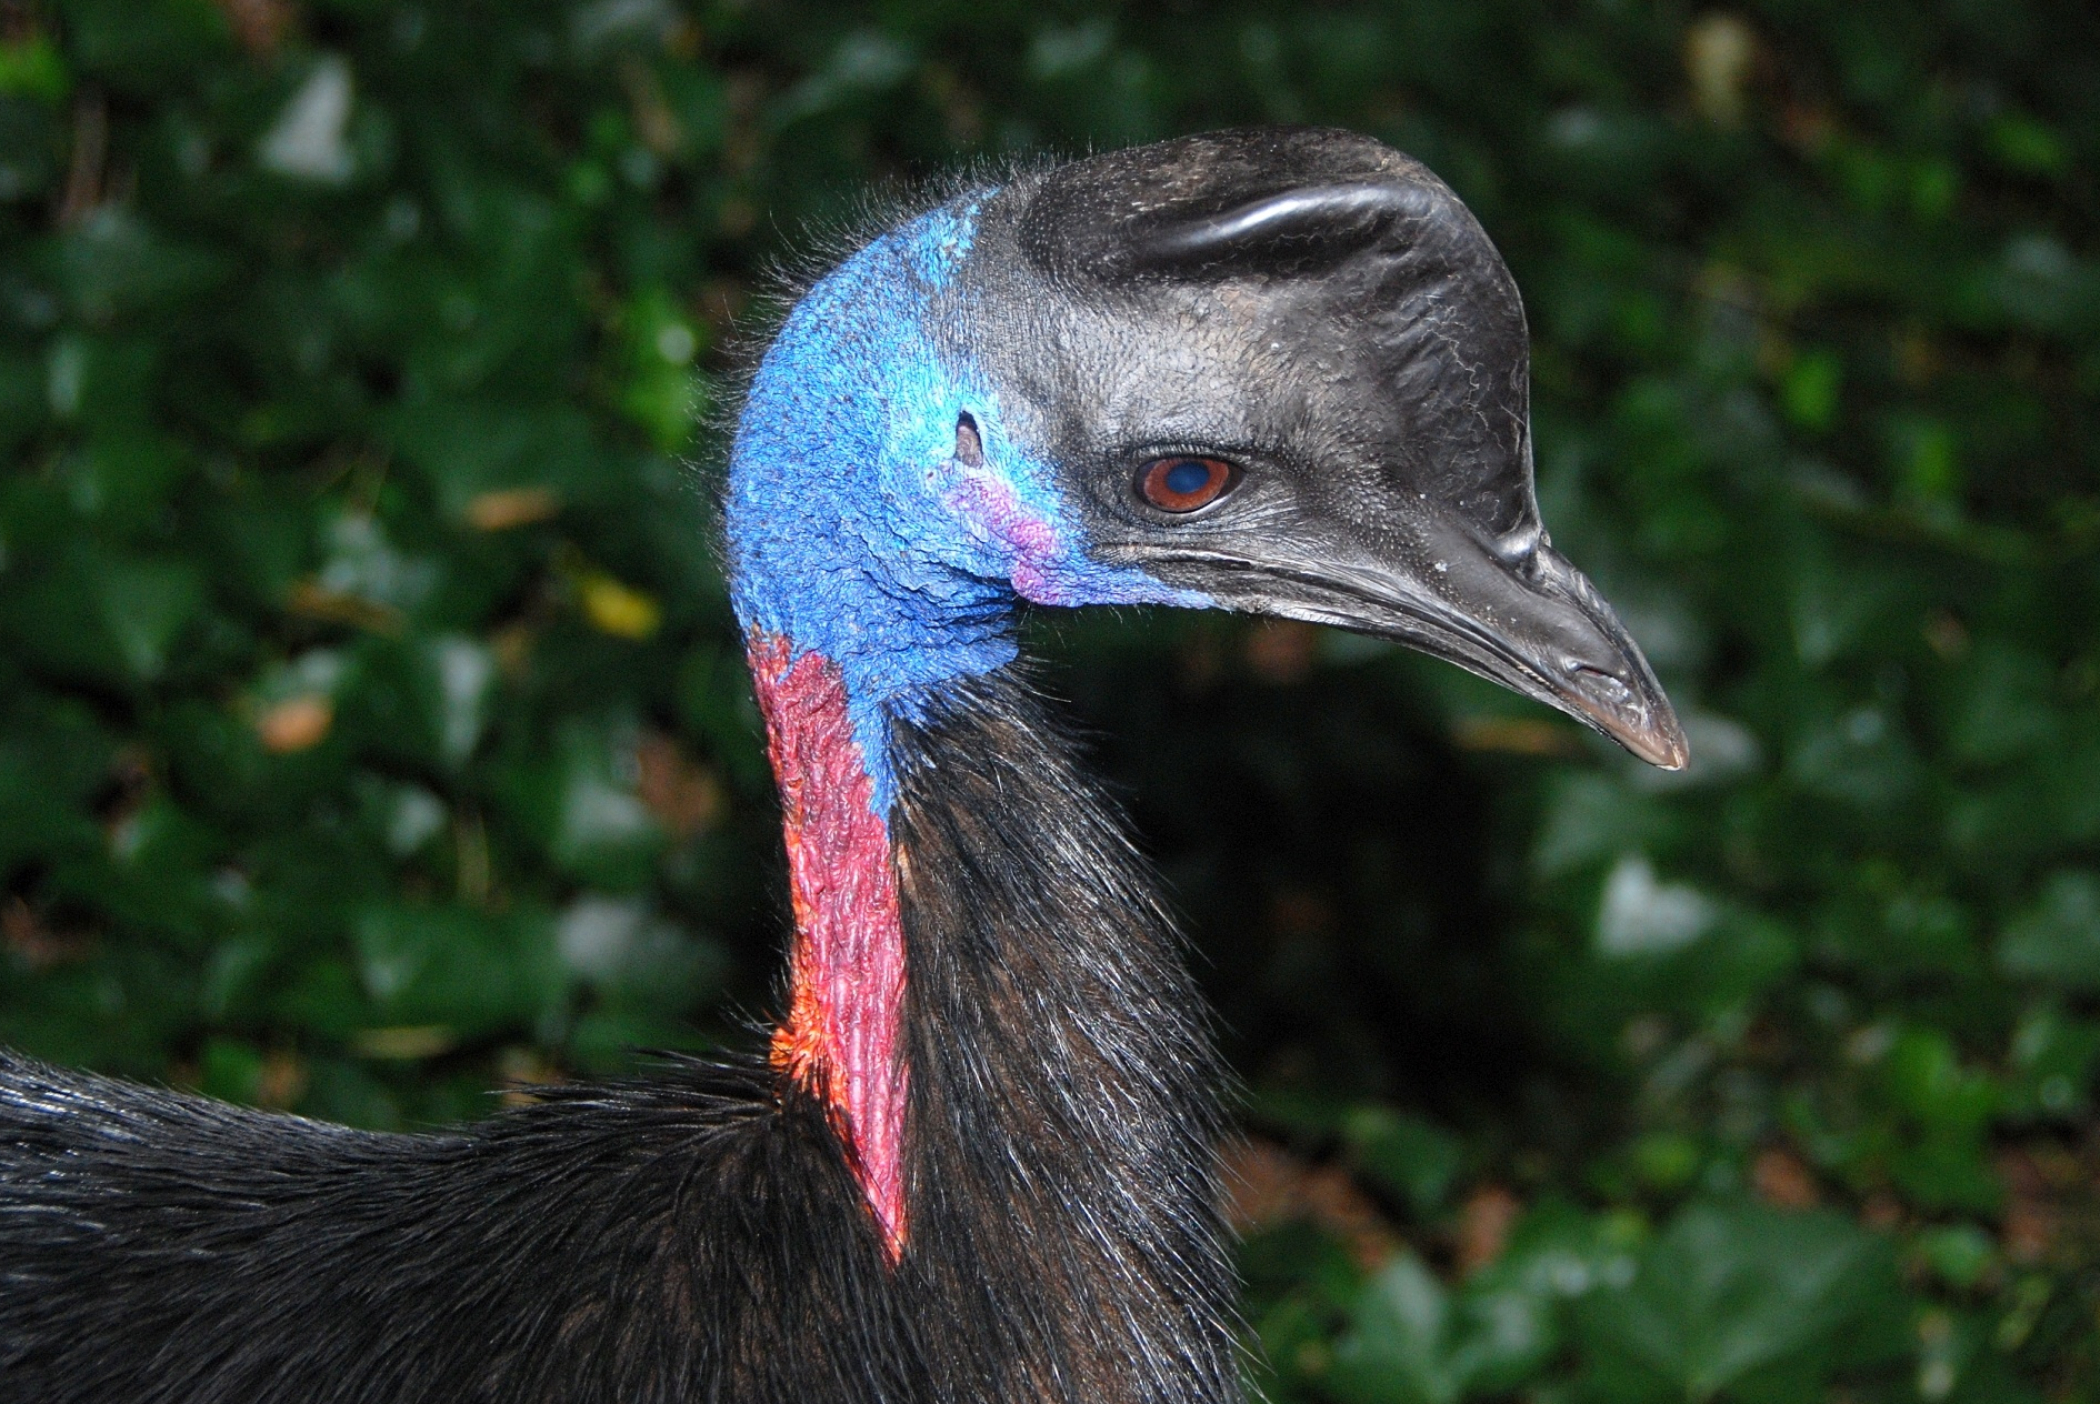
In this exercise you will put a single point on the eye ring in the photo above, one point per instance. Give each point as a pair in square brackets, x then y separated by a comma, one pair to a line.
[1183, 482]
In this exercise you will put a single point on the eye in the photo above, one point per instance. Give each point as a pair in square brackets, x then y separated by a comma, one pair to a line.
[1183, 484]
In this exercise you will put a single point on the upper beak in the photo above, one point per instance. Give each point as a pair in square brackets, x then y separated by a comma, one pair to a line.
[1531, 622]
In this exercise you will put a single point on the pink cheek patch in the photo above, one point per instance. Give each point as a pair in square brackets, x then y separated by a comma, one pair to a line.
[1030, 543]
[1035, 554]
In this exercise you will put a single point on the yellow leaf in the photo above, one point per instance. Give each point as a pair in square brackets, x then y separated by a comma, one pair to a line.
[618, 609]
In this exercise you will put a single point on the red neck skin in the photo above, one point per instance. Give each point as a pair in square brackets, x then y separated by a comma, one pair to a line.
[842, 1040]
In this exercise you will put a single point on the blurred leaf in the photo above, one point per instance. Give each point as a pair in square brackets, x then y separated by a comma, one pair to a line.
[115, 265]
[105, 616]
[306, 141]
[581, 805]
[2058, 938]
[140, 41]
[2055, 1057]
[230, 1069]
[2027, 145]
[1404, 1154]
[1959, 1253]
[470, 448]
[32, 67]
[1641, 916]
[1810, 390]
[426, 698]
[625, 950]
[466, 971]
[52, 761]
[1411, 1342]
[1732, 1289]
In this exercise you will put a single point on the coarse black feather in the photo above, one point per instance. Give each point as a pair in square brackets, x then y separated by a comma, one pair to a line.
[1063, 1106]
[697, 1235]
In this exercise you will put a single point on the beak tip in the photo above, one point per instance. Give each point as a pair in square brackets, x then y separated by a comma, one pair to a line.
[1661, 742]
[1630, 708]
[1675, 757]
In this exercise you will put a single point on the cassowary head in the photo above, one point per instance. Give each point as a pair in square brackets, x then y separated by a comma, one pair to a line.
[1283, 372]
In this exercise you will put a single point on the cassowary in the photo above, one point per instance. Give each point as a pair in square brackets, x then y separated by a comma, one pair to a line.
[1282, 372]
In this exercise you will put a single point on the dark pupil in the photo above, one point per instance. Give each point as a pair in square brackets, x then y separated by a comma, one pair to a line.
[1188, 477]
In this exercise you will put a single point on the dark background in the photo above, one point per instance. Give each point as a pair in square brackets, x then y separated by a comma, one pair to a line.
[373, 733]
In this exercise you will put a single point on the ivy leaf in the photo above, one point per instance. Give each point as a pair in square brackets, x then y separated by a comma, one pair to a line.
[1730, 1290]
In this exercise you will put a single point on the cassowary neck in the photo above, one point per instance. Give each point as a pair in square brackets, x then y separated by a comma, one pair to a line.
[983, 990]
[884, 525]
[986, 992]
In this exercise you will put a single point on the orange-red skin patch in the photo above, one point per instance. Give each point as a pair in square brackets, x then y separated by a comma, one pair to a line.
[843, 1036]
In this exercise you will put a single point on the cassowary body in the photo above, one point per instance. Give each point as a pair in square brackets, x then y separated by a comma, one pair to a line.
[1280, 372]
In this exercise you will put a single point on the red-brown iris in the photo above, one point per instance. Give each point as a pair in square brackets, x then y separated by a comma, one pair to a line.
[1184, 482]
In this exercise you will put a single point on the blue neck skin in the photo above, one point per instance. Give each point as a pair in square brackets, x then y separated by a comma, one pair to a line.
[855, 532]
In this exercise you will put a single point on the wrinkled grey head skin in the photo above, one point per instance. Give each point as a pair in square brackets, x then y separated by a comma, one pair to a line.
[1322, 312]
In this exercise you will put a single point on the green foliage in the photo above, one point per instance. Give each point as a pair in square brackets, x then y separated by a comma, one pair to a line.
[1728, 1295]
[373, 731]
[1412, 1342]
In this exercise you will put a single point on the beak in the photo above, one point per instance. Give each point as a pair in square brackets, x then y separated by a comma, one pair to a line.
[1528, 620]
